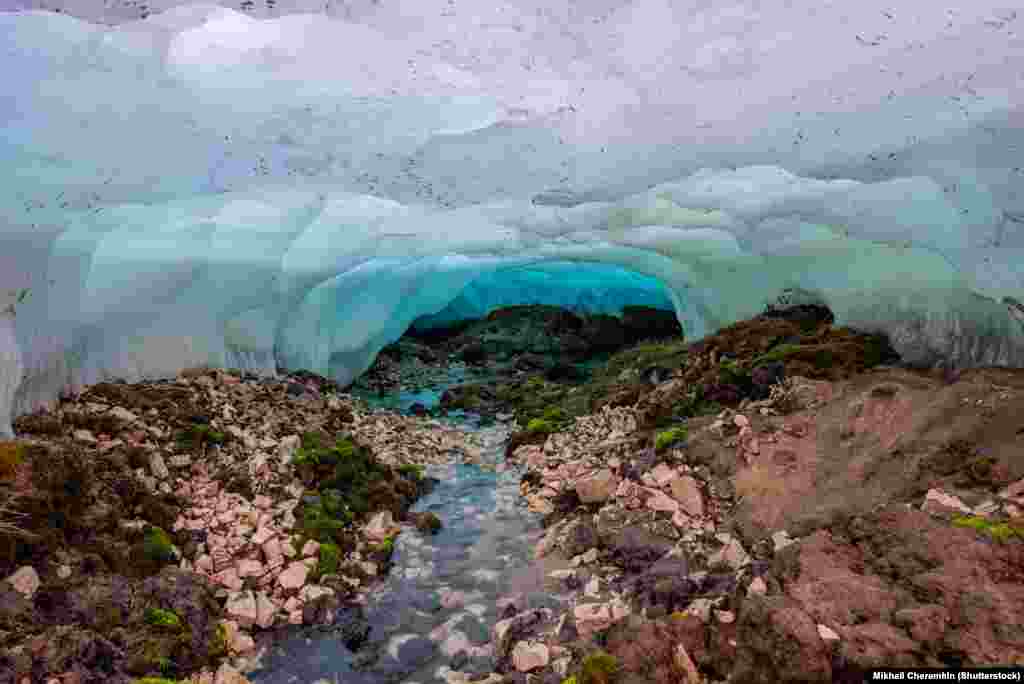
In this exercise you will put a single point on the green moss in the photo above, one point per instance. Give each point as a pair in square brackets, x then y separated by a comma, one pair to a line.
[159, 617]
[330, 558]
[1000, 531]
[667, 438]
[570, 680]
[779, 353]
[219, 642]
[197, 435]
[156, 545]
[387, 547]
[598, 668]
[412, 471]
[539, 425]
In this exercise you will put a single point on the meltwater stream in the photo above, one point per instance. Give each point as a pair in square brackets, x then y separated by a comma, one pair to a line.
[435, 610]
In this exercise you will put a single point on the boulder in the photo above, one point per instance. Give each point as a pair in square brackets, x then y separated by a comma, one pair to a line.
[528, 656]
[25, 581]
[597, 487]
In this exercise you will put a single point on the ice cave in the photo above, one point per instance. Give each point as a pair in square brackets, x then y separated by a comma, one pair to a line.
[293, 186]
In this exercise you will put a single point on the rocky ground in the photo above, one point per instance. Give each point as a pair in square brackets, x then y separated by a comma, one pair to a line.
[779, 502]
[151, 530]
[866, 516]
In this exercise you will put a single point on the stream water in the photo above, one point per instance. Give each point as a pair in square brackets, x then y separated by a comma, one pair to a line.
[437, 606]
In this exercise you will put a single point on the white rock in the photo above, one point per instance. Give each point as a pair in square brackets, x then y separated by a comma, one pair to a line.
[827, 634]
[528, 656]
[25, 581]
[123, 414]
[84, 436]
[938, 501]
[781, 540]
[157, 466]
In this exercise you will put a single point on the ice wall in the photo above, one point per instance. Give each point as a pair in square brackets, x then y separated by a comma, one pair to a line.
[209, 187]
[580, 287]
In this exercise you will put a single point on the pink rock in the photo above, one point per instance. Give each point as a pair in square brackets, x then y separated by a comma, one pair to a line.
[662, 474]
[25, 581]
[659, 501]
[241, 607]
[262, 535]
[686, 491]
[294, 576]
[293, 604]
[266, 610]
[250, 568]
[311, 548]
[204, 563]
[272, 551]
[288, 549]
[295, 617]
[229, 579]
[740, 421]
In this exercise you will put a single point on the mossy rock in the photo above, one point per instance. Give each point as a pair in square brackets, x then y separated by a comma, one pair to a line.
[598, 668]
[998, 531]
[158, 617]
[669, 437]
[541, 426]
[195, 436]
[157, 546]
[427, 523]
[412, 471]
[330, 558]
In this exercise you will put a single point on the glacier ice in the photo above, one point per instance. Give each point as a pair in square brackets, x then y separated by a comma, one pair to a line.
[297, 187]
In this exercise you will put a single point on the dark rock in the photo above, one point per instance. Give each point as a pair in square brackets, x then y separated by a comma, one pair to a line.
[764, 376]
[416, 651]
[581, 537]
[634, 549]
[427, 523]
[655, 375]
[780, 644]
[644, 322]
[665, 585]
[418, 409]
[473, 353]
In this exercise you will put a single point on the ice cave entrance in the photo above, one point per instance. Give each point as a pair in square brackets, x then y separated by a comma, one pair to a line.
[583, 288]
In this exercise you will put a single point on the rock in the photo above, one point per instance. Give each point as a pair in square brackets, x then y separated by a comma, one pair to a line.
[287, 448]
[25, 581]
[757, 587]
[597, 487]
[659, 501]
[781, 644]
[661, 475]
[937, 501]
[241, 608]
[229, 675]
[826, 634]
[123, 414]
[84, 436]
[528, 656]
[63, 571]
[310, 548]
[686, 491]
[507, 632]
[591, 618]
[731, 554]
[781, 540]
[249, 568]
[685, 663]
[158, 467]
[701, 609]
[294, 575]
[381, 526]
[266, 611]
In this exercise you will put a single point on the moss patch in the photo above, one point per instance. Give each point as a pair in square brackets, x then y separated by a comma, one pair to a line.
[598, 668]
[159, 617]
[156, 545]
[330, 557]
[667, 438]
[999, 531]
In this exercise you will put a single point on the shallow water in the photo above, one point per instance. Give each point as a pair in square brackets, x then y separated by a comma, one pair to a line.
[484, 551]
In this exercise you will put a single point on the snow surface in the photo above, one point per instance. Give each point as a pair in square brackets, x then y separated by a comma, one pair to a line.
[209, 186]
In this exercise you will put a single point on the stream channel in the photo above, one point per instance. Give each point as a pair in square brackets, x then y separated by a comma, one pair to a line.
[435, 610]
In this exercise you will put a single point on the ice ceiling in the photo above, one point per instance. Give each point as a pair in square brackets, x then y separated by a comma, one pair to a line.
[209, 186]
